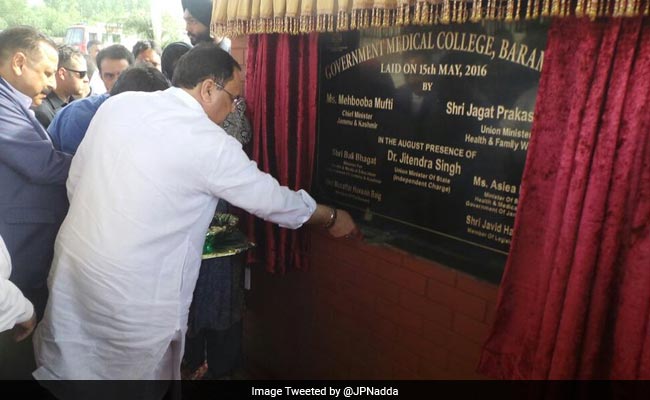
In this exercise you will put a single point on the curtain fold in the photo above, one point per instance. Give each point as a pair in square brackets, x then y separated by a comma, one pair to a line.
[304, 16]
[281, 85]
[581, 309]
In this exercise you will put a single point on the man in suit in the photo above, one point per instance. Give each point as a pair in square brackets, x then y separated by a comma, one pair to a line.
[33, 199]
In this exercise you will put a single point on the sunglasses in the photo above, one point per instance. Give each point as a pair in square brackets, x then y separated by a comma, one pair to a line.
[82, 74]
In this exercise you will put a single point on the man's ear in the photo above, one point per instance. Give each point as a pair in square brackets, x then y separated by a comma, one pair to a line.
[61, 73]
[18, 62]
[205, 91]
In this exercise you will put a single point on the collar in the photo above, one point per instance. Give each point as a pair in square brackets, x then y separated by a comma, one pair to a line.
[185, 97]
[55, 101]
[23, 99]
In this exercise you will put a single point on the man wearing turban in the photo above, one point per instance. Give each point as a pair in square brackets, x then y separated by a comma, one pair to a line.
[197, 15]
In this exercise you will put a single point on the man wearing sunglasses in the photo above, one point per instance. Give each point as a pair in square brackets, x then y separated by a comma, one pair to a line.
[71, 80]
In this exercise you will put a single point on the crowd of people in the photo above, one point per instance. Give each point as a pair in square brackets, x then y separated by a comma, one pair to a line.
[109, 182]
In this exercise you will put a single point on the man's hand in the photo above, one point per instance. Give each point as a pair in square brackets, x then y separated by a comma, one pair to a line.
[344, 226]
[24, 329]
[338, 223]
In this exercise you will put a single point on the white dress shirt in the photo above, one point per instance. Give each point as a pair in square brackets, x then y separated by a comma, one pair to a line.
[14, 307]
[143, 188]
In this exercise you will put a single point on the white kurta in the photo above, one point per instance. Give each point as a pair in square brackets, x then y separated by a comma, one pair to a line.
[143, 187]
[14, 307]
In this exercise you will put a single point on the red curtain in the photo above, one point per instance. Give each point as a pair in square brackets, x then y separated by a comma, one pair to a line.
[574, 301]
[281, 93]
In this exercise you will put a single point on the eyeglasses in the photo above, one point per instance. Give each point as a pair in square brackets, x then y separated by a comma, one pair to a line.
[82, 74]
[236, 100]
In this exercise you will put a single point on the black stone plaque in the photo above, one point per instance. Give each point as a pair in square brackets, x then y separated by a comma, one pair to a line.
[423, 133]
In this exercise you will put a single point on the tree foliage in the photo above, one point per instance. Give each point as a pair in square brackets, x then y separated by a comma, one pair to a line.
[91, 11]
[54, 16]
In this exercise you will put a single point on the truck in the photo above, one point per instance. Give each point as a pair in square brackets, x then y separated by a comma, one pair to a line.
[77, 36]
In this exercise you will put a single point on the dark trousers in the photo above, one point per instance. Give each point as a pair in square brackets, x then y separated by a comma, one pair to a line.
[222, 349]
[17, 359]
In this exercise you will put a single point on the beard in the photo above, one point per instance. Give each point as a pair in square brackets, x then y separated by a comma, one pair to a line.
[199, 38]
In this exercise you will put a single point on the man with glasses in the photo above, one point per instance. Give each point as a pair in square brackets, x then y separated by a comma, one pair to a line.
[143, 189]
[213, 347]
[33, 199]
[213, 344]
[236, 100]
[71, 80]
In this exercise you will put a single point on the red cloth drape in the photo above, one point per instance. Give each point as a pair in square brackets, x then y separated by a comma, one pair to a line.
[281, 91]
[574, 302]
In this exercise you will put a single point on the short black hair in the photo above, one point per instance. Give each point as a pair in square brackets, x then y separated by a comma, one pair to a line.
[66, 53]
[170, 56]
[21, 38]
[114, 52]
[143, 45]
[140, 79]
[205, 60]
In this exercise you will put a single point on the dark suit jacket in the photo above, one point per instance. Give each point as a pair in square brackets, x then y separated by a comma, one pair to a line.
[33, 200]
[47, 110]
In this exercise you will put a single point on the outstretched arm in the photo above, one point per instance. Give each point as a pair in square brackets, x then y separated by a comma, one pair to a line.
[236, 179]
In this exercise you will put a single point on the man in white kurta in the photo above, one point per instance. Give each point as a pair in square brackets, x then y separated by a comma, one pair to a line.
[143, 188]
